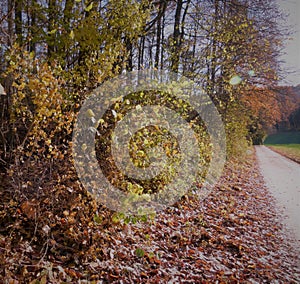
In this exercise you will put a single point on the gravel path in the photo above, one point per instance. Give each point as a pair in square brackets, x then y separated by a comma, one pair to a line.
[282, 177]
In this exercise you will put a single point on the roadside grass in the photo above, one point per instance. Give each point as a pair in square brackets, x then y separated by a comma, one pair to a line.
[286, 144]
[291, 151]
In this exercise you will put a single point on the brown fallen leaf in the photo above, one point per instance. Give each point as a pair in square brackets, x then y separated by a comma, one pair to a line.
[29, 208]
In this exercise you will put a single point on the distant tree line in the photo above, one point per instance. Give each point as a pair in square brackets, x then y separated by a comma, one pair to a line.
[289, 102]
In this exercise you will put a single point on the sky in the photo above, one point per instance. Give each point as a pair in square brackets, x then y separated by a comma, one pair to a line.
[292, 48]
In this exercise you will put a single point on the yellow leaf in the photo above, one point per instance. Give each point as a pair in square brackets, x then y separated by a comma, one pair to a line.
[83, 147]
[138, 107]
[72, 35]
[52, 32]
[89, 7]
[90, 113]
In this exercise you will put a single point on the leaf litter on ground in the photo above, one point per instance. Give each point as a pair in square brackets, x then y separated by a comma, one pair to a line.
[234, 235]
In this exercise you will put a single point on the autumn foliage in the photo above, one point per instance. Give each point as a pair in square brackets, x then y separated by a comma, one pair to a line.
[53, 54]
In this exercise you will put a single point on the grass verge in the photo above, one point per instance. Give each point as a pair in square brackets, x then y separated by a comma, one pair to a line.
[291, 151]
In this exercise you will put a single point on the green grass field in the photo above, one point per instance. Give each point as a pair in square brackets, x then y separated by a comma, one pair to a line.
[286, 144]
[283, 138]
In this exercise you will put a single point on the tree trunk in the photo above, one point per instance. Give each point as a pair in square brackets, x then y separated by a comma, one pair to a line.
[18, 20]
[51, 26]
[10, 22]
[176, 38]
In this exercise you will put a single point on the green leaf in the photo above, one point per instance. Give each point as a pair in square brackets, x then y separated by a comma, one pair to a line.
[115, 218]
[251, 73]
[98, 219]
[139, 252]
[235, 80]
